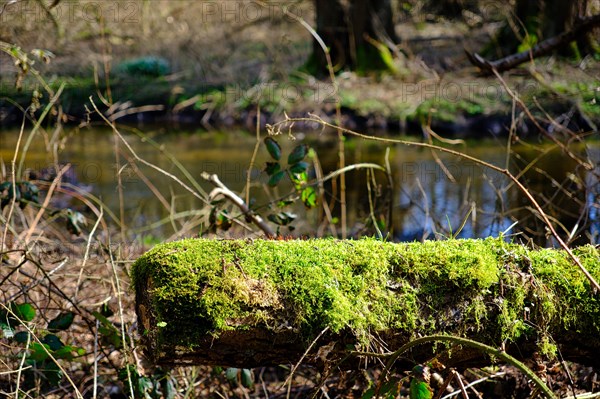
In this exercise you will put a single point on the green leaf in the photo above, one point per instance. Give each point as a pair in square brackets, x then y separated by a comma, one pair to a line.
[528, 42]
[109, 332]
[61, 322]
[231, 374]
[369, 393]
[273, 148]
[419, 385]
[299, 167]
[299, 178]
[309, 197]
[420, 390]
[111, 336]
[284, 203]
[276, 178]
[139, 384]
[101, 318]
[22, 337]
[123, 375]
[297, 154]
[272, 167]
[247, 378]
[24, 311]
[53, 342]
[30, 192]
[66, 352]
[161, 324]
[38, 352]
[168, 387]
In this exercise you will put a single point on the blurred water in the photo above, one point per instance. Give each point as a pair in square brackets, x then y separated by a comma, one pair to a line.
[431, 197]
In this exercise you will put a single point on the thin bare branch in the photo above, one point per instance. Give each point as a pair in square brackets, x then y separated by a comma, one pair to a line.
[222, 189]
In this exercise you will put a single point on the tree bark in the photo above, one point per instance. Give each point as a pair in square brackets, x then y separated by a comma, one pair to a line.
[256, 303]
[346, 28]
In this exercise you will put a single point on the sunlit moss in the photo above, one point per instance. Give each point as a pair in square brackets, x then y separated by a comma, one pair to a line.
[547, 348]
[199, 287]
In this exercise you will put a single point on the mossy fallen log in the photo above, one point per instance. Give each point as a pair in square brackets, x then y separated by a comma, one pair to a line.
[249, 303]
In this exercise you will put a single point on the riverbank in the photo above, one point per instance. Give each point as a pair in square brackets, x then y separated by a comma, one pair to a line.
[459, 104]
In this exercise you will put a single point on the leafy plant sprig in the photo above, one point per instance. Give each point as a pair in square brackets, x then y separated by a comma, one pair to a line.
[40, 355]
[296, 170]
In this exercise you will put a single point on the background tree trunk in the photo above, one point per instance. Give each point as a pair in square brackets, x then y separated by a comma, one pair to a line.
[345, 27]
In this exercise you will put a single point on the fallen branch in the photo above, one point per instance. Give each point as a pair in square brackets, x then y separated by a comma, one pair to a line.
[582, 27]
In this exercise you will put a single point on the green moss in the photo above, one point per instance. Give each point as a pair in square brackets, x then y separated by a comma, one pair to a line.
[374, 58]
[559, 95]
[365, 106]
[200, 287]
[447, 110]
[148, 66]
[547, 348]
[571, 293]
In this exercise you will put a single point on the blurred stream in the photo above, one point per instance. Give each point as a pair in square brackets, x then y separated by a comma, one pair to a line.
[431, 198]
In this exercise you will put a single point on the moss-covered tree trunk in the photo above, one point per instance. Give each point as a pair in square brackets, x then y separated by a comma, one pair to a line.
[252, 303]
[346, 28]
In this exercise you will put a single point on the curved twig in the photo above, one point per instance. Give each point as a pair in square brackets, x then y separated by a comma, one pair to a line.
[233, 197]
